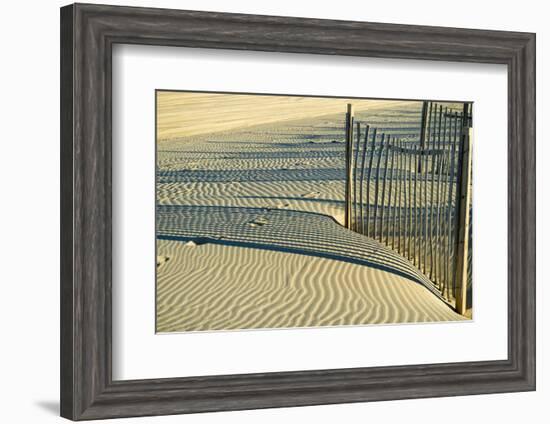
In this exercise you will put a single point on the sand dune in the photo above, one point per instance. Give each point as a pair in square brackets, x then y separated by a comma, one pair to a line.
[289, 231]
[247, 232]
[216, 287]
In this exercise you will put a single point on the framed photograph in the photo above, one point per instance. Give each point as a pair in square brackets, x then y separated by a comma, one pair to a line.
[263, 211]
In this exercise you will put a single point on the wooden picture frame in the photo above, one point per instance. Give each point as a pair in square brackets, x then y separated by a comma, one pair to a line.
[88, 33]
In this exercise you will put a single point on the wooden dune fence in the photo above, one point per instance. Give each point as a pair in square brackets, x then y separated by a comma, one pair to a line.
[414, 196]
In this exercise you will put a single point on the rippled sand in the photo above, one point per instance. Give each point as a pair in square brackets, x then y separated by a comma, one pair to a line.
[215, 287]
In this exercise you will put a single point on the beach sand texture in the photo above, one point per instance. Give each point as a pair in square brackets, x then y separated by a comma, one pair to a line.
[248, 213]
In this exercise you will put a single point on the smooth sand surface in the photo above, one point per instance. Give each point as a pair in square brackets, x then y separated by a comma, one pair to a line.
[248, 233]
[186, 114]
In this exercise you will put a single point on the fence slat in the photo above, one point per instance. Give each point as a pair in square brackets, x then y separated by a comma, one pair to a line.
[361, 178]
[424, 126]
[410, 203]
[400, 198]
[372, 152]
[463, 214]
[424, 200]
[349, 148]
[437, 262]
[354, 219]
[416, 250]
[376, 188]
[451, 232]
[432, 188]
[391, 210]
[383, 205]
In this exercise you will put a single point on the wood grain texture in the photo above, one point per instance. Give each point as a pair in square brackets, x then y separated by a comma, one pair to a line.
[67, 217]
[88, 33]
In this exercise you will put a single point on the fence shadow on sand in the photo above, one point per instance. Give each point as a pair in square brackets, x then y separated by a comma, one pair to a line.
[290, 231]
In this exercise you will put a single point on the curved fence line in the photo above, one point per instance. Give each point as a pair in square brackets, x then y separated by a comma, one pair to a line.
[414, 196]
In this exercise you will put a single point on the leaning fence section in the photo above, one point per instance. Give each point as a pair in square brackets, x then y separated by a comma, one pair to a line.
[414, 195]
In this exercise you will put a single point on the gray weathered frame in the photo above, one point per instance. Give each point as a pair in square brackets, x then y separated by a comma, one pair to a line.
[88, 33]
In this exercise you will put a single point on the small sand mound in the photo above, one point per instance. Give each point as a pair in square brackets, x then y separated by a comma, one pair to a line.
[258, 222]
[199, 241]
[161, 260]
[312, 194]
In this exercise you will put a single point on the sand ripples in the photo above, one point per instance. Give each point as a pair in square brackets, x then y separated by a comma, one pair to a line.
[216, 287]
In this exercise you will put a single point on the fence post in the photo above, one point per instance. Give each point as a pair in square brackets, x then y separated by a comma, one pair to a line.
[463, 200]
[349, 176]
